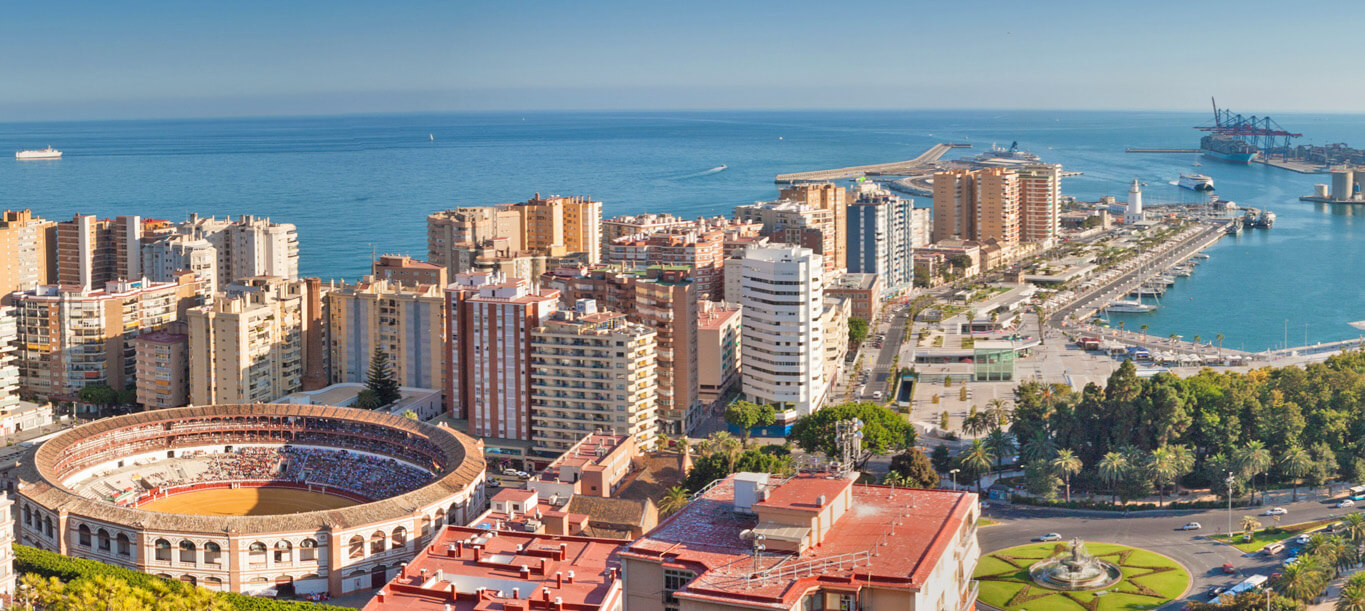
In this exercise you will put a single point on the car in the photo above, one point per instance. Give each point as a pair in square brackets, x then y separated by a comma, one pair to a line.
[1050, 537]
[1216, 591]
[1302, 539]
[523, 475]
[1290, 561]
[877, 395]
[509, 472]
[1274, 511]
[1228, 569]
[492, 483]
[1191, 526]
[1345, 503]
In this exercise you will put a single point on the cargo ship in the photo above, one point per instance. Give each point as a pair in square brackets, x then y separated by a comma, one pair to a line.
[47, 153]
[1227, 148]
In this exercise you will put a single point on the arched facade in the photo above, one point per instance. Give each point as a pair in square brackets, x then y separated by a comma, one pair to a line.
[310, 552]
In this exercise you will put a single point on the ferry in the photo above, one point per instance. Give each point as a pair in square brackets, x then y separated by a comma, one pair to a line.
[1129, 306]
[1196, 182]
[47, 153]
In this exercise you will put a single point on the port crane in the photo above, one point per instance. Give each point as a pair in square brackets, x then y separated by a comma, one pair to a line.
[1261, 132]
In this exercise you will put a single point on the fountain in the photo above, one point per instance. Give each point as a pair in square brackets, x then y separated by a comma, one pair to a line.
[1075, 570]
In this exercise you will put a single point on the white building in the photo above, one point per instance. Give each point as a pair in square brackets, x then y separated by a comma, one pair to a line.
[782, 297]
[1133, 213]
[164, 258]
[9, 362]
[248, 246]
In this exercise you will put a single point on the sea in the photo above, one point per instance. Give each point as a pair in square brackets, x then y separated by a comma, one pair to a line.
[361, 185]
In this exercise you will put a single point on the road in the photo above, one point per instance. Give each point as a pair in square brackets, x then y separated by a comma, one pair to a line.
[1203, 557]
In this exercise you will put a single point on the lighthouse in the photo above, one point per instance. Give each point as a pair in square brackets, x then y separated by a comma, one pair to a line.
[1134, 212]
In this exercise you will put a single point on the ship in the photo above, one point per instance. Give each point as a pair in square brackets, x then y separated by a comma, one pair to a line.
[1266, 220]
[1196, 182]
[47, 153]
[1134, 307]
[998, 154]
[1227, 148]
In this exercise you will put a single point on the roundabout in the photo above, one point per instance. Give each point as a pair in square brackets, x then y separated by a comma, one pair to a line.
[1030, 577]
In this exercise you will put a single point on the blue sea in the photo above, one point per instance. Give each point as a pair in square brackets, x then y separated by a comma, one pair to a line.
[360, 184]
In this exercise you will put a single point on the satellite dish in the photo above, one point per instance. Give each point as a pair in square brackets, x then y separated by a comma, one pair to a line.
[746, 534]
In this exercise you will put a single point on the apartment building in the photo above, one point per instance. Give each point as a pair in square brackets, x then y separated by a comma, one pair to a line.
[28, 252]
[797, 224]
[406, 321]
[863, 292]
[881, 236]
[824, 196]
[591, 371]
[719, 350]
[782, 293]
[92, 251]
[827, 544]
[406, 270]
[954, 205]
[9, 359]
[642, 225]
[250, 345]
[475, 238]
[977, 205]
[71, 337]
[164, 257]
[834, 321]
[163, 367]
[489, 320]
[247, 247]
[1040, 195]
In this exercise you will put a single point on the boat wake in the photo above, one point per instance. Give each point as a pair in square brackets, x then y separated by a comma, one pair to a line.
[716, 170]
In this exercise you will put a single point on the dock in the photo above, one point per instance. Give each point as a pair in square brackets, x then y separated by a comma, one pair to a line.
[1142, 150]
[1294, 166]
[910, 167]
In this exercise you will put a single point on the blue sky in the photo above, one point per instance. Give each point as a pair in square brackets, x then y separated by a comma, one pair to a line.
[157, 59]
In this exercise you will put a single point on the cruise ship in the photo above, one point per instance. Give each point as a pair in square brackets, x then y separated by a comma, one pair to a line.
[47, 153]
[1228, 148]
[1196, 182]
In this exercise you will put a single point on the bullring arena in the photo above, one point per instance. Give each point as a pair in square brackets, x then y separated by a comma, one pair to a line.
[305, 499]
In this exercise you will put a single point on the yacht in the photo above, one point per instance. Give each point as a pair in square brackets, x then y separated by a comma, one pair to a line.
[47, 153]
[1129, 306]
[1196, 182]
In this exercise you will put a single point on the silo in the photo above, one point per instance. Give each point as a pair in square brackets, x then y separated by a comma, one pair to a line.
[1343, 181]
[1320, 191]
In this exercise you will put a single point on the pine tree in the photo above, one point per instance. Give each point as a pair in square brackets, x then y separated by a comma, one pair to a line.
[381, 380]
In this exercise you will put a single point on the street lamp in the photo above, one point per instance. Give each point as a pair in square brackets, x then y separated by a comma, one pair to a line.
[1230, 481]
[953, 473]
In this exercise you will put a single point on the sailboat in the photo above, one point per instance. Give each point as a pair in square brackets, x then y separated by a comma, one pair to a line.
[432, 136]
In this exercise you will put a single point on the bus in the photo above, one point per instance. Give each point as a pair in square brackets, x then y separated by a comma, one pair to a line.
[1251, 583]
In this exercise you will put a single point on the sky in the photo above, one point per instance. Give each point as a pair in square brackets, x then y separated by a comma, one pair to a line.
[94, 60]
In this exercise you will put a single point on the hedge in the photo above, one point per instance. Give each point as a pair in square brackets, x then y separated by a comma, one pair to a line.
[51, 564]
[1108, 506]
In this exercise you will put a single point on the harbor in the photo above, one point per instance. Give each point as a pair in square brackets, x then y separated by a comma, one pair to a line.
[925, 161]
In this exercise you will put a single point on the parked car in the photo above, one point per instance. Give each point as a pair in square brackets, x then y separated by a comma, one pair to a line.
[1191, 526]
[1216, 591]
[1050, 537]
[1302, 539]
[523, 475]
[1345, 503]
[509, 472]
[1274, 511]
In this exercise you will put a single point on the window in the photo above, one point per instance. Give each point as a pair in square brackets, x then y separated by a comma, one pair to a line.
[212, 553]
[83, 535]
[284, 552]
[102, 537]
[163, 550]
[188, 552]
[308, 550]
[125, 547]
[357, 547]
[400, 537]
[377, 542]
[674, 580]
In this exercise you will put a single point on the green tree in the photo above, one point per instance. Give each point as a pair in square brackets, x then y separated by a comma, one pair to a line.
[381, 380]
[884, 431]
[1040, 447]
[674, 500]
[1040, 479]
[1295, 463]
[746, 415]
[1249, 525]
[857, 330]
[915, 469]
[1252, 459]
[98, 394]
[999, 412]
[1000, 444]
[1066, 464]
[943, 421]
[976, 460]
[1303, 580]
[1352, 593]
[941, 458]
[976, 423]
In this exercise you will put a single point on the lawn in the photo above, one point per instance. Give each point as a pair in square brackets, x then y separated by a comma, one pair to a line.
[987, 522]
[1266, 536]
[1149, 580]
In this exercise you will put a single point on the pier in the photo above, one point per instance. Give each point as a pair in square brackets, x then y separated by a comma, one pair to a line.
[917, 165]
[1142, 150]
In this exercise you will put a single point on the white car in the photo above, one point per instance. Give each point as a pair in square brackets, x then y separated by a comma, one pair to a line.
[1050, 537]
[509, 472]
[1274, 511]
[1346, 503]
[1302, 539]
[1191, 526]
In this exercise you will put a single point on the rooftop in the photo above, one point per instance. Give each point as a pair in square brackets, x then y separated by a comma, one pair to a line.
[853, 281]
[468, 569]
[890, 536]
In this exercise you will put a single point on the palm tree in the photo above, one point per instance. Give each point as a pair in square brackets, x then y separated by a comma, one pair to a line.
[999, 411]
[1196, 339]
[1113, 467]
[1164, 466]
[1120, 325]
[1251, 460]
[1000, 444]
[1296, 463]
[675, 499]
[1219, 337]
[1355, 528]
[1352, 593]
[722, 443]
[1040, 447]
[978, 458]
[1173, 336]
[1303, 580]
[1067, 464]
[975, 424]
[1144, 328]
[894, 478]
[1249, 525]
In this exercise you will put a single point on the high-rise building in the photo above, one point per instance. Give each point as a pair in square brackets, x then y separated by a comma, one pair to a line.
[954, 205]
[834, 321]
[797, 224]
[71, 337]
[881, 236]
[28, 252]
[997, 206]
[91, 251]
[247, 247]
[591, 372]
[719, 348]
[474, 238]
[783, 298]
[9, 362]
[163, 258]
[825, 196]
[163, 371]
[249, 345]
[488, 342]
[406, 321]
[406, 270]
[1040, 194]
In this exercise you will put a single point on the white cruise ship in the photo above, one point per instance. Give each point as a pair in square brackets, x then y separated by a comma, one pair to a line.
[47, 153]
[1196, 182]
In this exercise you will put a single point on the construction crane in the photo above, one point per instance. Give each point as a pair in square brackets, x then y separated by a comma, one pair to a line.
[1261, 132]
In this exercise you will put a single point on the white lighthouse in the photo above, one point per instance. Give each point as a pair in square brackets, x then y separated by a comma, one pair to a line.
[1134, 212]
